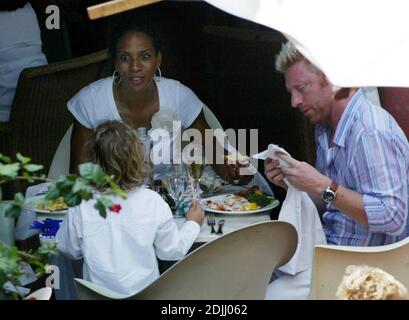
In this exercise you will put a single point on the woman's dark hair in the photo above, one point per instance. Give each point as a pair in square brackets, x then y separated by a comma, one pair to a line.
[130, 25]
[11, 5]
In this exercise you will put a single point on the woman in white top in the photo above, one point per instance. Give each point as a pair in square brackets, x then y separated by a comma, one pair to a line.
[134, 94]
[120, 251]
[20, 48]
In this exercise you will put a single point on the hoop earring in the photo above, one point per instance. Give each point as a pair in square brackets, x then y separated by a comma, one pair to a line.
[160, 75]
[116, 77]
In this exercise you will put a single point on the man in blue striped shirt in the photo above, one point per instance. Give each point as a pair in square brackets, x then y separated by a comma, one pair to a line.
[361, 179]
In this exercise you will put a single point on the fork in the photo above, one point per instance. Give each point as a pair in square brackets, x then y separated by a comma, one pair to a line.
[211, 222]
[220, 224]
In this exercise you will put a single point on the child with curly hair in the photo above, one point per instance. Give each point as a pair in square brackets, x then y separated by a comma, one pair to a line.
[120, 252]
[370, 283]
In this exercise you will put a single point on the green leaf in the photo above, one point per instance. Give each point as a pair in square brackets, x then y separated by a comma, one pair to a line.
[261, 199]
[2, 280]
[23, 160]
[81, 185]
[13, 253]
[33, 167]
[9, 170]
[92, 172]
[86, 195]
[5, 159]
[117, 190]
[10, 209]
[47, 249]
[19, 200]
[65, 183]
[106, 202]
[72, 200]
[101, 208]
[52, 193]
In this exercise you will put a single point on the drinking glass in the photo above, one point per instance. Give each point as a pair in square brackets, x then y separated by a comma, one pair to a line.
[196, 165]
[207, 185]
[147, 147]
[176, 185]
[207, 182]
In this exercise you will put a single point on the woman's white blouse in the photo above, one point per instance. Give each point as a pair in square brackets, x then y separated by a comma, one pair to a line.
[95, 103]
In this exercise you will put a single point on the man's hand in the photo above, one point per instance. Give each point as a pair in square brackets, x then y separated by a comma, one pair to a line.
[303, 176]
[273, 173]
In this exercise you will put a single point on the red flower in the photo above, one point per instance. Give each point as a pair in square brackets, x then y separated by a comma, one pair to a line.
[116, 208]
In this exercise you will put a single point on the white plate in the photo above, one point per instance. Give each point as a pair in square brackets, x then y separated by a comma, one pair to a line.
[31, 204]
[272, 205]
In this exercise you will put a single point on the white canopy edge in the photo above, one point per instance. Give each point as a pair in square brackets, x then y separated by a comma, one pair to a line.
[354, 42]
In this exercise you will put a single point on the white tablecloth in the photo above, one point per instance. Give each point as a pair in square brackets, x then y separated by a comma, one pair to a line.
[232, 223]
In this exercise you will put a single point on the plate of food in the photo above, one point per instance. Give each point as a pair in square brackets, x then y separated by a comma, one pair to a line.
[249, 201]
[54, 207]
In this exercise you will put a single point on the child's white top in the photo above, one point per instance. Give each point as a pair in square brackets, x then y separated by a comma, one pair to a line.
[120, 252]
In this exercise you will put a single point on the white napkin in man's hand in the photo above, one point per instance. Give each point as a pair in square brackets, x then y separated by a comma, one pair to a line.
[299, 210]
[270, 153]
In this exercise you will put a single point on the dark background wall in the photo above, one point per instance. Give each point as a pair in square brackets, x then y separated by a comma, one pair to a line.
[227, 61]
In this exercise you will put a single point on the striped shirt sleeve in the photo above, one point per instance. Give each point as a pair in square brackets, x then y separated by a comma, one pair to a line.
[379, 170]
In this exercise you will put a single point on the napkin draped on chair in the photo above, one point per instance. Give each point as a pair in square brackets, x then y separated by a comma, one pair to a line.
[299, 210]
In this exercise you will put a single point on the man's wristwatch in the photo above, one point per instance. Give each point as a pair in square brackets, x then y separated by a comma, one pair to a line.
[329, 194]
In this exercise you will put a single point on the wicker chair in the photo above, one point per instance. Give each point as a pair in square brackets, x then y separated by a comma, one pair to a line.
[39, 116]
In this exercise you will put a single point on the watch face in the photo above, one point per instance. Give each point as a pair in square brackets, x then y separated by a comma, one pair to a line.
[328, 195]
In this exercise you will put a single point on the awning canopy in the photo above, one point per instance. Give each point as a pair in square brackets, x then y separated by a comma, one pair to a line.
[355, 43]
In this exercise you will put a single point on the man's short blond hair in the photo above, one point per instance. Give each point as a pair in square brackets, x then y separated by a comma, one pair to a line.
[289, 55]
[369, 283]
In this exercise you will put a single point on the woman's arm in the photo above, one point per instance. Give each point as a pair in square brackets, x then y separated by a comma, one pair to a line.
[80, 134]
[224, 170]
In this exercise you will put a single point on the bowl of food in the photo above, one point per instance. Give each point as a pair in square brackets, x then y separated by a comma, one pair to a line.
[43, 207]
[53, 205]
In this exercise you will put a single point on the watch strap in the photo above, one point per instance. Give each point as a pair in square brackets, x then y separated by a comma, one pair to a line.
[334, 186]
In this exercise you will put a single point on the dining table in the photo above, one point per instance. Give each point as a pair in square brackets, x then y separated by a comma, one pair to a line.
[231, 223]
[70, 269]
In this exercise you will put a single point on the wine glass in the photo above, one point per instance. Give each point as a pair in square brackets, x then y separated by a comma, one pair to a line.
[207, 183]
[176, 185]
[196, 171]
[147, 147]
[196, 164]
